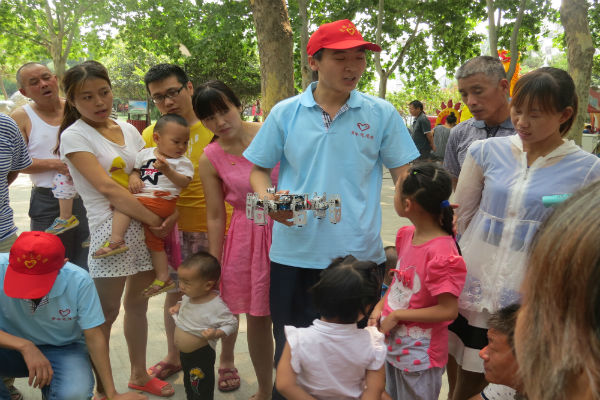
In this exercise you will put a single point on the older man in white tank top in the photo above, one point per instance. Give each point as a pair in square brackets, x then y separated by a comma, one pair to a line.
[39, 123]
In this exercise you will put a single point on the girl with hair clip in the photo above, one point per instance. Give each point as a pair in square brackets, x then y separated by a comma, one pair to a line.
[500, 192]
[423, 297]
[333, 358]
[557, 335]
[100, 153]
[244, 253]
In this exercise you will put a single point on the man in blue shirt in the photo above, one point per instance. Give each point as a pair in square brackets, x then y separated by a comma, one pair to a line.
[50, 322]
[332, 139]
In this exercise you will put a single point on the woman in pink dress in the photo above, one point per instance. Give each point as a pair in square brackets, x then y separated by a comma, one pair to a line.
[244, 253]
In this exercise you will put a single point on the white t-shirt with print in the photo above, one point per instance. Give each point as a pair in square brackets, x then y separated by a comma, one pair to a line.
[116, 160]
[154, 180]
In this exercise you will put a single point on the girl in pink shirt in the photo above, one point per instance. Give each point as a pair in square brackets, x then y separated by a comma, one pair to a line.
[422, 299]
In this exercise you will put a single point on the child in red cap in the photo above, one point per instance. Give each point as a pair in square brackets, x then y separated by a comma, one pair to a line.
[333, 139]
[50, 322]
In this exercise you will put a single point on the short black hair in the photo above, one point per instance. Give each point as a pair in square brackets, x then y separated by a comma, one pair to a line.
[391, 257]
[504, 321]
[211, 97]
[347, 288]
[163, 120]
[317, 56]
[416, 104]
[160, 72]
[207, 266]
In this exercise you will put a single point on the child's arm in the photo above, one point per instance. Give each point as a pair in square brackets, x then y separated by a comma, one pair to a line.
[178, 179]
[213, 333]
[175, 308]
[445, 310]
[376, 313]
[135, 182]
[285, 381]
[375, 382]
[224, 324]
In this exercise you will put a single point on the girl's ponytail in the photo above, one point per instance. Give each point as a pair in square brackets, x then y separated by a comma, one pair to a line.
[69, 117]
[447, 221]
[430, 186]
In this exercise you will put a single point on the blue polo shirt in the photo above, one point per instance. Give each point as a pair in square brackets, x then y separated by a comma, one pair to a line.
[344, 159]
[71, 307]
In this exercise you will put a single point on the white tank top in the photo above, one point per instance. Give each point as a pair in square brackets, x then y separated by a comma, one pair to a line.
[42, 141]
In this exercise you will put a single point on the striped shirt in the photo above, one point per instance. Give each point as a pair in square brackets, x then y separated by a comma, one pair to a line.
[13, 157]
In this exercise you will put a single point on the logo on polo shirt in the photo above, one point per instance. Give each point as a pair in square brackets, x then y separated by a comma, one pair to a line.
[362, 128]
[64, 315]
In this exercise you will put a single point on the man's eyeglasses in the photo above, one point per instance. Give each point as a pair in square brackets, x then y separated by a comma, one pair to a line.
[171, 94]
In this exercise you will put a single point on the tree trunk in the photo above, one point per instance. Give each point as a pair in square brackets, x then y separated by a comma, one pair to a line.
[2, 87]
[60, 67]
[378, 67]
[580, 53]
[514, 42]
[304, 67]
[382, 85]
[492, 32]
[275, 41]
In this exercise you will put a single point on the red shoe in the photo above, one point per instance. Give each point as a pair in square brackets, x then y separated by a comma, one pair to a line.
[153, 386]
[226, 374]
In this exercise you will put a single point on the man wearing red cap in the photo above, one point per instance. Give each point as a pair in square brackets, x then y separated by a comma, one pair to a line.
[50, 322]
[332, 139]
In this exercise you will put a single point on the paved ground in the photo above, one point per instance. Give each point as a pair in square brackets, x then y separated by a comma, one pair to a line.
[19, 198]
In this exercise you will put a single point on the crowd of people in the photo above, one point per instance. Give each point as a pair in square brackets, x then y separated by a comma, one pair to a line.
[499, 292]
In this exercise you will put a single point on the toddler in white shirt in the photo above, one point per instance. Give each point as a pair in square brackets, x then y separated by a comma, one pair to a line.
[201, 318]
[333, 358]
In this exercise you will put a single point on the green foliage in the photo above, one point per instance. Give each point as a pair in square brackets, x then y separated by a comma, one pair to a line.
[126, 70]
[532, 26]
[219, 36]
[60, 30]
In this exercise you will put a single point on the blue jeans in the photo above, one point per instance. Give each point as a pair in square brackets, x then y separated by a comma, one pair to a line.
[72, 379]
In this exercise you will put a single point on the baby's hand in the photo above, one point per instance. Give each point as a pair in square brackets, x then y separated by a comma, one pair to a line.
[212, 333]
[208, 333]
[174, 309]
[135, 184]
[161, 164]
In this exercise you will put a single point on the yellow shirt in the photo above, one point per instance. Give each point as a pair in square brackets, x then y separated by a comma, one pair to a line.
[191, 203]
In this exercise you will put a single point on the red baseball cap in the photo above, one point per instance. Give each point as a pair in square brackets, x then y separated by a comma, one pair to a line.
[337, 35]
[33, 264]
